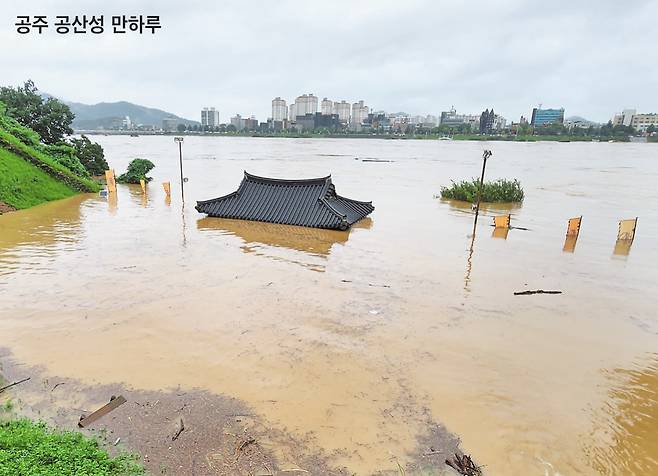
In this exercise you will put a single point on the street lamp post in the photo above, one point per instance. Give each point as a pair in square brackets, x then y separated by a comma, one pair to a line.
[485, 156]
[180, 161]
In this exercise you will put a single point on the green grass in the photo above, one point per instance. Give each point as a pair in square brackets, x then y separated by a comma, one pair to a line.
[30, 449]
[499, 191]
[47, 163]
[23, 185]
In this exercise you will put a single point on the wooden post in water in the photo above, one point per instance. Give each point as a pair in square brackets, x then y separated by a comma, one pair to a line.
[111, 181]
[485, 156]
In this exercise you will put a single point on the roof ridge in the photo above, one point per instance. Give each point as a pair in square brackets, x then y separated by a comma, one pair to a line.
[352, 200]
[257, 178]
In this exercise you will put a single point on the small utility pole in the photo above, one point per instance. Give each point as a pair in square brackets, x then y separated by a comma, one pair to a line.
[180, 161]
[485, 156]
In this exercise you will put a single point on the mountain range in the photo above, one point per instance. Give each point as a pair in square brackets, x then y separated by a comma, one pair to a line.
[104, 114]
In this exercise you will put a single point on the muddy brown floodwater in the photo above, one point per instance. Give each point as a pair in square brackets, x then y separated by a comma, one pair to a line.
[358, 342]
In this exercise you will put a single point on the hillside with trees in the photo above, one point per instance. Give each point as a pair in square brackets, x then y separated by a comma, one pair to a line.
[38, 160]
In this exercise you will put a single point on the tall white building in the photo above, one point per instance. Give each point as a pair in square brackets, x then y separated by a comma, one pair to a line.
[279, 109]
[343, 110]
[327, 107]
[209, 117]
[359, 112]
[292, 112]
[306, 104]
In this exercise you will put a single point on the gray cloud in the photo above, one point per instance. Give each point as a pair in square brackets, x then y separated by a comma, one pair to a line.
[593, 58]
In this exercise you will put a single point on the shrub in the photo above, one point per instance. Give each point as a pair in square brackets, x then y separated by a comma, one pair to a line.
[500, 190]
[137, 170]
[65, 154]
[91, 155]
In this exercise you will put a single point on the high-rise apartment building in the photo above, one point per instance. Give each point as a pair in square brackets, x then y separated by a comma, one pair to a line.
[359, 112]
[279, 109]
[343, 110]
[209, 117]
[327, 107]
[306, 104]
[292, 112]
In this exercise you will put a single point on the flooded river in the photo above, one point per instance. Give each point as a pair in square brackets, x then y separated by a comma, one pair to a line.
[357, 339]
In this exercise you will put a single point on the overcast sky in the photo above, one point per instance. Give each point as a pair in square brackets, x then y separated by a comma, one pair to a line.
[590, 57]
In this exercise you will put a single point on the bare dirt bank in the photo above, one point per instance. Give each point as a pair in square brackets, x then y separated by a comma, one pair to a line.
[190, 432]
[4, 208]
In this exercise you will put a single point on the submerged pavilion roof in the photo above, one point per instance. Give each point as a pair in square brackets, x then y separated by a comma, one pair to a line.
[305, 202]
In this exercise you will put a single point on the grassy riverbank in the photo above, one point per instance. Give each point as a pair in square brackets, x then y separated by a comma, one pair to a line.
[30, 448]
[32, 172]
[23, 185]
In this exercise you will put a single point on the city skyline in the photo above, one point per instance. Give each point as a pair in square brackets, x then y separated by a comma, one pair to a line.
[418, 57]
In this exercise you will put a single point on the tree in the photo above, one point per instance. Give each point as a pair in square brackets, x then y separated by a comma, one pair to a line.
[137, 170]
[91, 155]
[651, 129]
[50, 118]
[181, 127]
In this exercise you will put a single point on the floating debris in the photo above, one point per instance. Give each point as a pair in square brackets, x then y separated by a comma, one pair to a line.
[179, 431]
[538, 291]
[464, 465]
[115, 402]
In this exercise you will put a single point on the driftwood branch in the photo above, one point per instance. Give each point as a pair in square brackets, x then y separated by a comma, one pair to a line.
[179, 431]
[2, 389]
[538, 291]
[464, 465]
